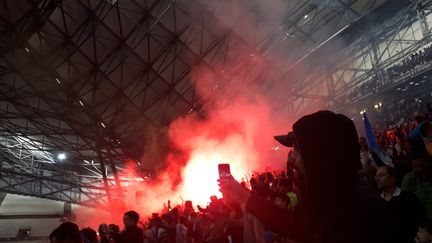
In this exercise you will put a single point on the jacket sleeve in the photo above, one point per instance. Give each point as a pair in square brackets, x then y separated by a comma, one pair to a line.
[407, 183]
[288, 223]
[418, 212]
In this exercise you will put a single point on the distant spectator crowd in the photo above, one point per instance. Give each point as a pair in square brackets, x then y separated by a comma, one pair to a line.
[381, 78]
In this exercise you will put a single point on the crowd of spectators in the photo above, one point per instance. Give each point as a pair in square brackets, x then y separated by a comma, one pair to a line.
[220, 221]
[396, 113]
[388, 75]
[400, 172]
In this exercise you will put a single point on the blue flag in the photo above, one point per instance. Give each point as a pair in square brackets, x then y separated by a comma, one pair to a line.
[373, 145]
[370, 136]
[417, 131]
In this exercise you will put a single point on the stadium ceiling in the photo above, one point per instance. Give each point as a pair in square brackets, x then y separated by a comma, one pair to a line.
[91, 78]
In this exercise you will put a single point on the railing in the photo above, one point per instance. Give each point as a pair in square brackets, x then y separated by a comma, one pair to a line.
[388, 85]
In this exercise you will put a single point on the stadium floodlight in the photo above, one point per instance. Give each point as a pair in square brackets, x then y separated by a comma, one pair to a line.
[61, 156]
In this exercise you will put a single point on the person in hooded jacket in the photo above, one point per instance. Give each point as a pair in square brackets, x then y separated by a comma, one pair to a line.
[335, 204]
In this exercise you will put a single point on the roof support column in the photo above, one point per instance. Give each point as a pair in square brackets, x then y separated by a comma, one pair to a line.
[420, 8]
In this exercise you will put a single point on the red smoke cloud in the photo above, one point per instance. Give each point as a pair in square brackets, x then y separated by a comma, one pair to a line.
[239, 134]
[238, 130]
[242, 113]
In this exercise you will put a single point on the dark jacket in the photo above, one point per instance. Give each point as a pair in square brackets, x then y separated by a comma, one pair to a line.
[131, 235]
[409, 214]
[337, 206]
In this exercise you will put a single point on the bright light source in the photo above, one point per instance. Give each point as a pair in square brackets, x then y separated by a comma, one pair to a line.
[102, 124]
[376, 106]
[58, 81]
[81, 103]
[305, 17]
[380, 104]
[61, 156]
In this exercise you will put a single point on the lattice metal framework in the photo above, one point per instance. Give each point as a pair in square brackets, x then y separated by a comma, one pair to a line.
[367, 48]
[92, 78]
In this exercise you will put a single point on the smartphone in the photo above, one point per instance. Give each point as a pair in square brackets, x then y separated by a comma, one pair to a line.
[224, 171]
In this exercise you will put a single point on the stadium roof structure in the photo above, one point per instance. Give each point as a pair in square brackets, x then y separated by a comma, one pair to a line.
[82, 82]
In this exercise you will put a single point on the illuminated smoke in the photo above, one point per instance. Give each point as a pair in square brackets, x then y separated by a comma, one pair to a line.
[244, 106]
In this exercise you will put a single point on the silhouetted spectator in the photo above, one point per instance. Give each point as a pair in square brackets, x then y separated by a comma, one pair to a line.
[188, 208]
[67, 232]
[114, 231]
[132, 233]
[104, 233]
[88, 235]
[181, 231]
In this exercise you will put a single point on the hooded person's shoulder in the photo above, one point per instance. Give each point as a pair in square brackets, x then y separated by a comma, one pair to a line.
[364, 197]
[370, 213]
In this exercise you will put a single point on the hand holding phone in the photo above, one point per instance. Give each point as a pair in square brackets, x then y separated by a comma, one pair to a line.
[229, 187]
[224, 171]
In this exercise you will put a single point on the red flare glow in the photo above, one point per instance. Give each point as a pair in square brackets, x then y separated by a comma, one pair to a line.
[200, 174]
